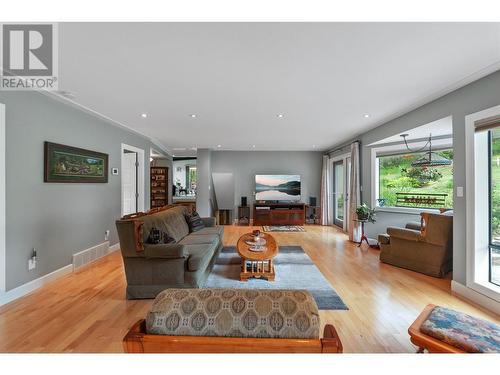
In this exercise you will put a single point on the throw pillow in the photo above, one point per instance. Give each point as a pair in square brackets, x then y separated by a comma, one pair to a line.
[157, 236]
[194, 222]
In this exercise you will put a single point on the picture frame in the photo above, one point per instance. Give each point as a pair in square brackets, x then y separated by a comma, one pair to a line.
[67, 164]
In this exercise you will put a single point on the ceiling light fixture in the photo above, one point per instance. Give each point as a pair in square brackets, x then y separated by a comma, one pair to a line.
[193, 115]
[280, 115]
[144, 115]
[314, 146]
[366, 116]
[430, 158]
[253, 146]
[219, 146]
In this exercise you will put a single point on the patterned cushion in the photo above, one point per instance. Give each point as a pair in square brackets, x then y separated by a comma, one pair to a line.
[157, 236]
[462, 331]
[234, 313]
[194, 222]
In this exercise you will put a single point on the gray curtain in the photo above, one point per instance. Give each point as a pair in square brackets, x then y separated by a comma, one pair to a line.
[354, 198]
[326, 189]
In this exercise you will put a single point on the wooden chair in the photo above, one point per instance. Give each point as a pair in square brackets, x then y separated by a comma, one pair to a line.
[138, 341]
[426, 342]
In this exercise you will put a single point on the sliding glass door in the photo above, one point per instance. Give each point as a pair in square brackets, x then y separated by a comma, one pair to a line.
[338, 192]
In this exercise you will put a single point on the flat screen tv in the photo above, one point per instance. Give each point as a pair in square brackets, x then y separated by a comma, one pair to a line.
[277, 187]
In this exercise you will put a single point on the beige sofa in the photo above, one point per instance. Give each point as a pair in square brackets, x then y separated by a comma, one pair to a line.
[428, 250]
[151, 268]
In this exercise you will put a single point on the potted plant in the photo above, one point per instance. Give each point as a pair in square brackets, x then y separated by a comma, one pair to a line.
[366, 213]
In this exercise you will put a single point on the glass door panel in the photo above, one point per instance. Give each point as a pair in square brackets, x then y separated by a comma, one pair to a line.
[338, 193]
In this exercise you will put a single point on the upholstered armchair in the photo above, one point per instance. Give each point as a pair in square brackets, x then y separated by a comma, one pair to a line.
[428, 250]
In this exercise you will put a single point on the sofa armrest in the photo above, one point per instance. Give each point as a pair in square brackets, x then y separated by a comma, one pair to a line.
[414, 225]
[384, 239]
[404, 234]
[164, 251]
[208, 221]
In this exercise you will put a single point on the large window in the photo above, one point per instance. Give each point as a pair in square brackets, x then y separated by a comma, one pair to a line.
[402, 185]
[494, 186]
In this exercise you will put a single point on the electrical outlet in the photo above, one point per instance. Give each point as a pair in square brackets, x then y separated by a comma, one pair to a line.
[106, 235]
[31, 264]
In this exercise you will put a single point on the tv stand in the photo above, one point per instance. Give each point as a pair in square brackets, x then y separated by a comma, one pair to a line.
[278, 214]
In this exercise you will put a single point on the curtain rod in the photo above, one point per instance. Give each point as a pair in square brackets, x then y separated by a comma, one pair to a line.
[342, 146]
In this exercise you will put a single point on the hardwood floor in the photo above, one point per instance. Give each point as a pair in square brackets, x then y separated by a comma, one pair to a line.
[87, 312]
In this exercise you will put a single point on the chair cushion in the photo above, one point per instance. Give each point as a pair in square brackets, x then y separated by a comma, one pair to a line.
[199, 256]
[234, 313]
[218, 230]
[201, 239]
[462, 331]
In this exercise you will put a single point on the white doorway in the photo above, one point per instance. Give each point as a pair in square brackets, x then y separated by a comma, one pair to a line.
[2, 200]
[132, 181]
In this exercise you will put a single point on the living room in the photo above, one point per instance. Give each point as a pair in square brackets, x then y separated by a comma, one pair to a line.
[260, 187]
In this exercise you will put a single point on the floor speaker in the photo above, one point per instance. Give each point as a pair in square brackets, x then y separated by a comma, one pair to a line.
[243, 201]
[312, 201]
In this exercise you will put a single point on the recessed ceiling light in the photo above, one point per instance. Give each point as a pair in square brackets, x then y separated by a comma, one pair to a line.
[280, 115]
[193, 115]
[366, 115]
[253, 146]
[314, 146]
[144, 115]
[219, 146]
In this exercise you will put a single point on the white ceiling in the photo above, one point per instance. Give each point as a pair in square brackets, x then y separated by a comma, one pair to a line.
[236, 77]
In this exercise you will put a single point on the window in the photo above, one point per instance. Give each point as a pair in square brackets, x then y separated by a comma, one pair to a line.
[494, 203]
[191, 179]
[402, 185]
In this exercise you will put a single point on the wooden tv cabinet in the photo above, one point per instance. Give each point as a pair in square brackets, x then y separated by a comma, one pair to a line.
[278, 214]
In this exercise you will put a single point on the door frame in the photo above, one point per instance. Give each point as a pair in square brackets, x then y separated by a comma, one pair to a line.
[141, 176]
[3, 222]
[336, 159]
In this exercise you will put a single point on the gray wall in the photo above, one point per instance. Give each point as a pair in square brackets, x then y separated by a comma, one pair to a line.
[244, 165]
[204, 186]
[58, 219]
[479, 95]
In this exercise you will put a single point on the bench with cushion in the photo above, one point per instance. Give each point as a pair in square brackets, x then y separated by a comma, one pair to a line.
[442, 330]
[231, 320]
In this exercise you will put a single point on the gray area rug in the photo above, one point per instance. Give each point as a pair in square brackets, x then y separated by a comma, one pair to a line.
[294, 270]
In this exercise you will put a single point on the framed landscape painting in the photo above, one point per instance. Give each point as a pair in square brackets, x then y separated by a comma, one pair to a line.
[72, 164]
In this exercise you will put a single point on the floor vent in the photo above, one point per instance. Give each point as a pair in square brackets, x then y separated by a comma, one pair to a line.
[88, 256]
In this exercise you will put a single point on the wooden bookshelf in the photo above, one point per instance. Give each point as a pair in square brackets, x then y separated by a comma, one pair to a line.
[158, 186]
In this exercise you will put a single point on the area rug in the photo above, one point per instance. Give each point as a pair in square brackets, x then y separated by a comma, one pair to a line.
[283, 228]
[294, 270]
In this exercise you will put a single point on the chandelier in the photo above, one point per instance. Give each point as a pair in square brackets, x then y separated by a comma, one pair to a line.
[430, 158]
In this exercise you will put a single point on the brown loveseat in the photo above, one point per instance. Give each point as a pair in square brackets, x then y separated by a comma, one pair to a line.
[428, 250]
[185, 263]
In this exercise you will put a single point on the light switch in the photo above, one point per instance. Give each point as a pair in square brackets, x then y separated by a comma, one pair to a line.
[460, 191]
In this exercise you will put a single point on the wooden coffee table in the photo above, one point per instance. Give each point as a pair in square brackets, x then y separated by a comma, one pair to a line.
[258, 264]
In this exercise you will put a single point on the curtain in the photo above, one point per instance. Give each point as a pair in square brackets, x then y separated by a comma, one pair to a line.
[354, 198]
[326, 188]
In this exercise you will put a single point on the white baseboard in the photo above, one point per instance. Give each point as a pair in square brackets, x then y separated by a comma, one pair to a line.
[114, 247]
[29, 287]
[475, 297]
[20, 291]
